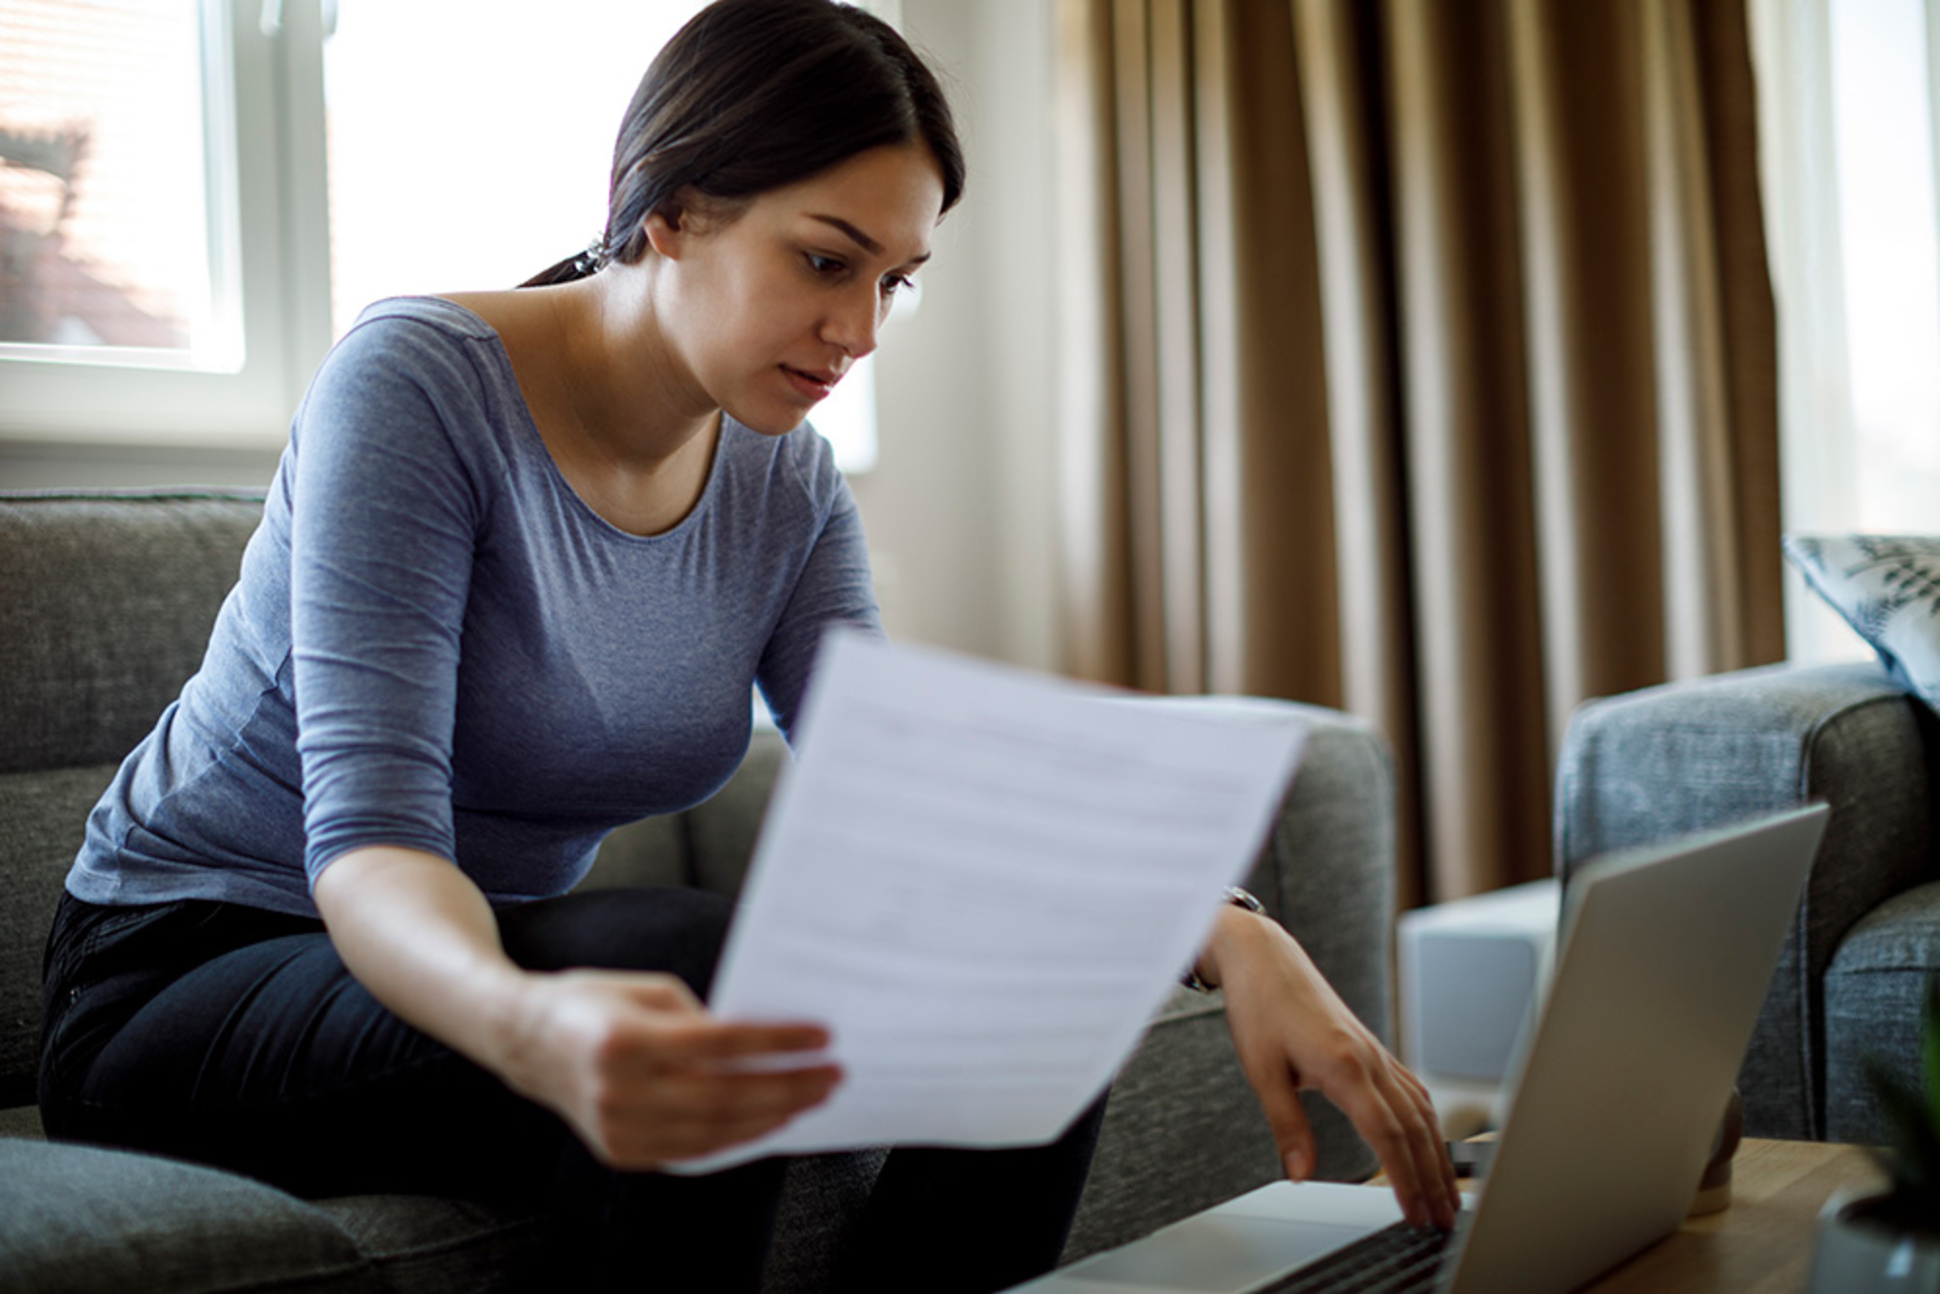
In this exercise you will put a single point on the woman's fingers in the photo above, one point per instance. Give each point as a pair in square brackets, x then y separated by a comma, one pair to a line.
[720, 1096]
[682, 1098]
[645, 1075]
[685, 1115]
[1443, 1167]
[1432, 1173]
[1293, 1136]
[1401, 1127]
[1389, 1132]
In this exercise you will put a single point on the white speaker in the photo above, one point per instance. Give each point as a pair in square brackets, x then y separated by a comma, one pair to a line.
[1473, 975]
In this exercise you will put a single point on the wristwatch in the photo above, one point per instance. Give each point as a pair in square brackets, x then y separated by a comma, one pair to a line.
[1240, 899]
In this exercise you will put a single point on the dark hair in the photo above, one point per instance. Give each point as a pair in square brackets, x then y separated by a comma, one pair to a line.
[753, 95]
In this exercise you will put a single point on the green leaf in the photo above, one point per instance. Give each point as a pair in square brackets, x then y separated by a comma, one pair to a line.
[1930, 1049]
[1912, 1113]
[1915, 1138]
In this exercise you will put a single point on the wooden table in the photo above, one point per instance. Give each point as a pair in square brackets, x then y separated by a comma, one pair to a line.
[1763, 1243]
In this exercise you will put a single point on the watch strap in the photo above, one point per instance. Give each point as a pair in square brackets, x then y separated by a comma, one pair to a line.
[1239, 898]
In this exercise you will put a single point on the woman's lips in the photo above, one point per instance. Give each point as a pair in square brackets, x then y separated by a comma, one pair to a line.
[813, 383]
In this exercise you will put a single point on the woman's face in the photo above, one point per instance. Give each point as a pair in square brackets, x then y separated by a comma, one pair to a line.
[768, 309]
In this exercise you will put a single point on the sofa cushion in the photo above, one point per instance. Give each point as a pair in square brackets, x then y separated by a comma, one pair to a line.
[105, 606]
[652, 851]
[416, 1244]
[21, 1121]
[723, 829]
[709, 845]
[407, 1244]
[78, 1218]
[1887, 587]
[431, 1246]
[1872, 1007]
[42, 818]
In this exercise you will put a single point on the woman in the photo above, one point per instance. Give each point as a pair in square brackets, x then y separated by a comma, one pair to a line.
[520, 565]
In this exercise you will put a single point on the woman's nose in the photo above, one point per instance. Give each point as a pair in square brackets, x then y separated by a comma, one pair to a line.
[856, 322]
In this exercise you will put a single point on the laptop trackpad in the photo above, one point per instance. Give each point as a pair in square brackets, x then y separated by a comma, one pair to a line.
[1245, 1241]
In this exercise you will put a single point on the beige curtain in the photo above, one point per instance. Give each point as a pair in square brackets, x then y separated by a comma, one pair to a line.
[1418, 360]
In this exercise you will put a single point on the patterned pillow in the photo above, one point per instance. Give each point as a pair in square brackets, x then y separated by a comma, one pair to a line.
[1888, 588]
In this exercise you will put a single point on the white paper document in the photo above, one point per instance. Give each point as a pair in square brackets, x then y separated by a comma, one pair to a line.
[983, 882]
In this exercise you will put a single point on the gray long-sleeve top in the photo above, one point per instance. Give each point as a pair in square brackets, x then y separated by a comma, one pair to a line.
[436, 643]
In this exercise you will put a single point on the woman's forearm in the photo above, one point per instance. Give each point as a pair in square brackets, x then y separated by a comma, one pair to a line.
[419, 934]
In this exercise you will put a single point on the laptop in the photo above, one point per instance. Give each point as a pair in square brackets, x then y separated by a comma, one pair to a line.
[1665, 955]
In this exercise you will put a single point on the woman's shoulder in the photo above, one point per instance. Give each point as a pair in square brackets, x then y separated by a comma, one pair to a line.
[433, 345]
[416, 374]
[416, 325]
[428, 342]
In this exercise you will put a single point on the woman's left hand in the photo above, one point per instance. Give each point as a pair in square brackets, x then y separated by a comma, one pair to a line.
[1292, 1031]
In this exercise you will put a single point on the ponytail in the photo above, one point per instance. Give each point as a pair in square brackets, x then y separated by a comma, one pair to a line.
[578, 266]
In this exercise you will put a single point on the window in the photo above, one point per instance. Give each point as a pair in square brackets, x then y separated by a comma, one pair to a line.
[109, 240]
[155, 269]
[1884, 149]
[1846, 115]
[468, 144]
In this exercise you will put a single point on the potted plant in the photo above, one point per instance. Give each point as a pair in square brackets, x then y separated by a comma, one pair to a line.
[1891, 1240]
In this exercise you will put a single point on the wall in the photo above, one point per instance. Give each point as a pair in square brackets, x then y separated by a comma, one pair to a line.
[958, 509]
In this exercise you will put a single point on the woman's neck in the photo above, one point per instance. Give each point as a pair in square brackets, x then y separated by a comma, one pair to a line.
[616, 374]
[608, 396]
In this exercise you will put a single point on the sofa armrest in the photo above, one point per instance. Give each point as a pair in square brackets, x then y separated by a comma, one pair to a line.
[1684, 757]
[1183, 1130]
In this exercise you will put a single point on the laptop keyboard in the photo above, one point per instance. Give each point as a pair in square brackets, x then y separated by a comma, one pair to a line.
[1394, 1260]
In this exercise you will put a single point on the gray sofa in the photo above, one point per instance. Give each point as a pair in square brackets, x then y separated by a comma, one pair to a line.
[105, 604]
[1686, 756]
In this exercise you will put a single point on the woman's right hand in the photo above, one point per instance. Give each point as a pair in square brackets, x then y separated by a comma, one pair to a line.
[633, 1063]
[645, 1075]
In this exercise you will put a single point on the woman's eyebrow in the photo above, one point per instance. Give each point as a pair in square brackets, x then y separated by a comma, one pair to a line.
[860, 239]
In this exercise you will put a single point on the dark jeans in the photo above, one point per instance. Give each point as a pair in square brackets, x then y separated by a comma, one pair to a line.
[236, 1037]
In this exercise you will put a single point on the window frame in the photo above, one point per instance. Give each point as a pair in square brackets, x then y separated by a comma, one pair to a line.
[265, 142]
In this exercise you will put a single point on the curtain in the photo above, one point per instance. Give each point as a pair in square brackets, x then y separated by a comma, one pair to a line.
[1418, 359]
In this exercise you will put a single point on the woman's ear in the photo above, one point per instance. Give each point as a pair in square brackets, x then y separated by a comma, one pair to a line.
[665, 231]
[689, 214]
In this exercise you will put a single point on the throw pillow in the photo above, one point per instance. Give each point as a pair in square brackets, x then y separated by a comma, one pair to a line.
[1888, 588]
